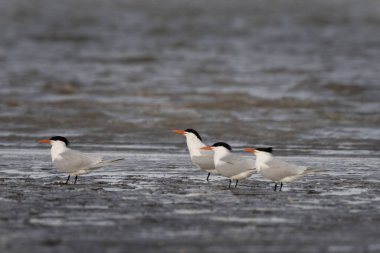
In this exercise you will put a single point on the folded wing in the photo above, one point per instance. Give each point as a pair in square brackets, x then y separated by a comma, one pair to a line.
[204, 161]
[240, 164]
[281, 169]
[72, 161]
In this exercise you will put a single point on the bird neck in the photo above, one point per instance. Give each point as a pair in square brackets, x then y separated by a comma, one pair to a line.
[262, 159]
[194, 145]
[57, 149]
[219, 154]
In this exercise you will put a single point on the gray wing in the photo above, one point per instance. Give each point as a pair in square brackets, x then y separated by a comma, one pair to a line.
[207, 153]
[73, 161]
[232, 165]
[204, 162]
[281, 169]
[244, 163]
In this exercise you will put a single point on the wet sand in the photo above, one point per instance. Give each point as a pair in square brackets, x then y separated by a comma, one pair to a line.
[157, 202]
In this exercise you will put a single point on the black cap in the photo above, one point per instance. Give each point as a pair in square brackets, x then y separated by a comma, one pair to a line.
[268, 150]
[222, 144]
[60, 138]
[194, 132]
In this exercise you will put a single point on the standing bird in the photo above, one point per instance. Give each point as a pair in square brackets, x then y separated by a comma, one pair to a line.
[275, 169]
[204, 160]
[71, 161]
[230, 165]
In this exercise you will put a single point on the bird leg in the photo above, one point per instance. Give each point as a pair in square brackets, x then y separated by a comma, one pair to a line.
[229, 186]
[275, 187]
[208, 176]
[76, 177]
[236, 183]
[280, 186]
[67, 181]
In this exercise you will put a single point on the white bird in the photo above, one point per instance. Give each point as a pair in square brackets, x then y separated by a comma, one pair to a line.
[71, 161]
[275, 169]
[229, 165]
[202, 159]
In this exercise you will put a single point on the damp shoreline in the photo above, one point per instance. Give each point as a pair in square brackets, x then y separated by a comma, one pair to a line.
[157, 202]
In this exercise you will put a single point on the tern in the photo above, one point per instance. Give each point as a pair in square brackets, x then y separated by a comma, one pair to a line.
[202, 159]
[229, 165]
[73, 162]
[275, 169]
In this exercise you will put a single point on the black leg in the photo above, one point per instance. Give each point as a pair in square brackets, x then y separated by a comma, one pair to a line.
[229, 186]
[280, 186]
[236, 183]
[67, 181]
[275, 187]
[208, 176]
[76, 177]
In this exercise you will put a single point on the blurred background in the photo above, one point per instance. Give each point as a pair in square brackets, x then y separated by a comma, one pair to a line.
[302, 76]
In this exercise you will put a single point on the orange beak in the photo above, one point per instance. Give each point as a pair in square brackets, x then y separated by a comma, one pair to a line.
[182, 132]
[250, 150]
[207, 148]
[44, 141]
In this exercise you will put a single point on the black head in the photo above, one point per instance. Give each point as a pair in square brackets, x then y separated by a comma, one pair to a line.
[268, 150]
[194, 132]
[222, 144]
[60, 138]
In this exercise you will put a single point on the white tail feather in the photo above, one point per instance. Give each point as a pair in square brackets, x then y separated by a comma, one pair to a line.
[108, 162]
